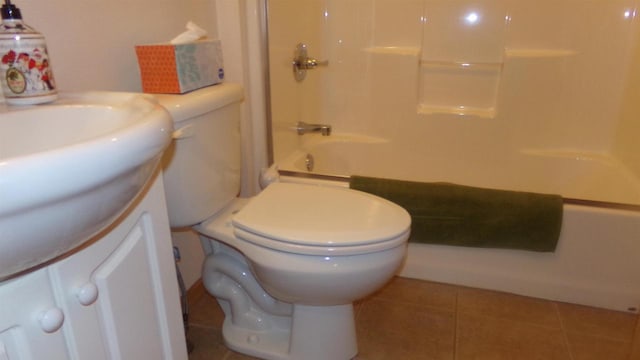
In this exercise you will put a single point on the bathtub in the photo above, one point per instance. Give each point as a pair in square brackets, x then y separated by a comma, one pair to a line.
[597, 260]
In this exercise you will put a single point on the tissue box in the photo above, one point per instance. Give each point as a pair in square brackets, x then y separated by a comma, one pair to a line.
[179, 68]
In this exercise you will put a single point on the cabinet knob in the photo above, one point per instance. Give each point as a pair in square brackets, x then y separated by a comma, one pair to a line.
[87, 294]
[51, 320]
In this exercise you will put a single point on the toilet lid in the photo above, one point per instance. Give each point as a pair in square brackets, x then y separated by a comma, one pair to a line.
[320, 216]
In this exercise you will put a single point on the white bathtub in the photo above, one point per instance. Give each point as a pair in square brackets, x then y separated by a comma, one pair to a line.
[597, 261]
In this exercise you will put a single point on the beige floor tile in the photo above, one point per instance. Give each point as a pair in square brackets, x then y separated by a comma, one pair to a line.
[635, 350]
[423, 293]
[393, 330]
[508, 307]
[208, 344]
[413, 319]
[588, 347]
[598, 322]
[206, 312]
[482, 337]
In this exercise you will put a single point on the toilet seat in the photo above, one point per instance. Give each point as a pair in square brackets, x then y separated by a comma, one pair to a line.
[318, 220]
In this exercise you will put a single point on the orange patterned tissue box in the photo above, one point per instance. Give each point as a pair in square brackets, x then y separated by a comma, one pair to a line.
[179, 68]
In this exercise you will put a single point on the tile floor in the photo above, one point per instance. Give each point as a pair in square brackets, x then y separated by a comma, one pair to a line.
[413, 319]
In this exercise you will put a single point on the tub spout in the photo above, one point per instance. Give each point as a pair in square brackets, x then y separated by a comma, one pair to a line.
[303, 128]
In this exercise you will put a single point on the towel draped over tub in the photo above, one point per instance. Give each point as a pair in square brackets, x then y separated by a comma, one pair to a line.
[450, 214]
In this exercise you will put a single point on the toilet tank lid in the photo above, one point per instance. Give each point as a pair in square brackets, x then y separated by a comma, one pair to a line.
[197, 102]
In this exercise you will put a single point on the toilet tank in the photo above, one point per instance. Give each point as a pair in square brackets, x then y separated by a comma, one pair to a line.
[202, 165]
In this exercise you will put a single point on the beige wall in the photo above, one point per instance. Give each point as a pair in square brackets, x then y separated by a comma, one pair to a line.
[91, 42]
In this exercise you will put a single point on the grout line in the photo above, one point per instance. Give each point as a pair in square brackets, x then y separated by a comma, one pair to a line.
[455, 328]
[564, 331]
[633, 353]
[634, 348]
[357, 309]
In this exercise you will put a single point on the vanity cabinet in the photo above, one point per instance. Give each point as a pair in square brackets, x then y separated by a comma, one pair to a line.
[23, 304]
[118, 296]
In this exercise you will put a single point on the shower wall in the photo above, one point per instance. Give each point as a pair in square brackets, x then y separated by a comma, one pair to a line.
[443, 76]
[626, 145]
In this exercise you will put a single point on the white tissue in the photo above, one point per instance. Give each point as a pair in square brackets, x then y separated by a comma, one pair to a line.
[193, 33]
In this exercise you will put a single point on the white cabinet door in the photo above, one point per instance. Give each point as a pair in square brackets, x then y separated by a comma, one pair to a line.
[30, 320]
[128, 309]
[120, 293]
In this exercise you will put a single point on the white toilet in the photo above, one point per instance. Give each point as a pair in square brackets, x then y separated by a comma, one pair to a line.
[287, 264]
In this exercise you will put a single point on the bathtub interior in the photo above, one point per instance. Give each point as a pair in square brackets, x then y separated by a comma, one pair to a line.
[574, 175]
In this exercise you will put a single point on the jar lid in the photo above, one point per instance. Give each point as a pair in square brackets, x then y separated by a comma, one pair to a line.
[10, 11]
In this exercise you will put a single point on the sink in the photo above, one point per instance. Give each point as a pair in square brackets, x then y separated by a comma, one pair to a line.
[69, 168]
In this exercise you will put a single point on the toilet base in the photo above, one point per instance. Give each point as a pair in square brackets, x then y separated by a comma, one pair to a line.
[317, 333]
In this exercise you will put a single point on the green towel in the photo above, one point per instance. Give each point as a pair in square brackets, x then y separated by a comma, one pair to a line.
[449, 214]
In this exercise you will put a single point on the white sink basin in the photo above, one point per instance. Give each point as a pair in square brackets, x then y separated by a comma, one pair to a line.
[68, 169]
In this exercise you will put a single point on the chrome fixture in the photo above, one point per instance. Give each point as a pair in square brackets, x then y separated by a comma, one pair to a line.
[302, 62]
[303, 128]
[309, 162]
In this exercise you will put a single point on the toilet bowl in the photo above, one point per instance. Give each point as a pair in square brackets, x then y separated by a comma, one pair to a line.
[287, 264]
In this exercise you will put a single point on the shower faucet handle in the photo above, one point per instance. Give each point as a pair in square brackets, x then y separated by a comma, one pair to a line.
[310, 63]
[302, 62]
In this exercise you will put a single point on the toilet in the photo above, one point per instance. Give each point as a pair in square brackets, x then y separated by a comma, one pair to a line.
[287, 264]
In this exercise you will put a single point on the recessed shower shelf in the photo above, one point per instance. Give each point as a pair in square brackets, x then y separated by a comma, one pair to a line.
[460, 65]
[394, 50]
[459, 88]
[485, 113]
[537, 53]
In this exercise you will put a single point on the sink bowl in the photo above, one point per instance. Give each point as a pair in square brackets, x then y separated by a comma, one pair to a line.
[68, 169]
